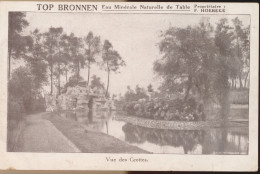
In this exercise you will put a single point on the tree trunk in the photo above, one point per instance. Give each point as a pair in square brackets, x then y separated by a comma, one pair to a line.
[240, 81]
[208, 106]
[224, 97]
[88, 72]
[78, 72]
[51, 77]
[225, 105]
[59, 79]
[238, 55]
[66, 74]
[245, 82]
[108, 74]
[188, 88]
[59, 72]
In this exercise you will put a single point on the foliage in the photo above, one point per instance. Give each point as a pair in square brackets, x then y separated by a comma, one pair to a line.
[96, 83]
[17, 43]
[73, 81]
[15, 108]
[76, 54]
[47, 57]
[23, 91]
[51, 43]
[36, 59]
[188, 57]
[170, 110]
[239, 96]
[25, 83]
[150, 88]
[65, 49]
[200, 60]
[112, 61]
[136, 95]
[93, 49]
[241, 51]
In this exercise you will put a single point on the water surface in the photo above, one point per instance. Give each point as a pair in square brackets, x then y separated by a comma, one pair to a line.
[229, 140]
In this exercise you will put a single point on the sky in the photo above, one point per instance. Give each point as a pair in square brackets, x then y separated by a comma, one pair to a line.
[134, 36]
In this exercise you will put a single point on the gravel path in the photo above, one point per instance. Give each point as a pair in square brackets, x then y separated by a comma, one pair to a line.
[40, 135]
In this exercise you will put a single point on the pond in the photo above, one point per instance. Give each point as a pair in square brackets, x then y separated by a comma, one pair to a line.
[228, 140]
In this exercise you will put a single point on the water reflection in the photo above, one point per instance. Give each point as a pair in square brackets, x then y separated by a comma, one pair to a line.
[188, 139]
[212, 141]
[232, 140]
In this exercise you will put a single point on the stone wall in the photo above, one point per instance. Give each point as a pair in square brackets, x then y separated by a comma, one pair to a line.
[175, 125]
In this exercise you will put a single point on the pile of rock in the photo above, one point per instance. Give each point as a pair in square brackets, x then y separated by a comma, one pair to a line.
[62, 102]
[75, 98]
[50, 102]
[78, 97]
[102, 103]
[110, 104]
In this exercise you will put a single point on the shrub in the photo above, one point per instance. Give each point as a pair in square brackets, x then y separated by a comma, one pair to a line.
[15, 109]
[176, 109]
[239, 96]
[23, 94]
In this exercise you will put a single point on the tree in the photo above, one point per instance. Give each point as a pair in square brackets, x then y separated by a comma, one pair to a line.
[22, 88]
[76, 53]
[73, 81]
[199, 61]
[52, 49]
[187, 58]
[66, 55]
[112, 61]
[96, 83]
[246, 55]
[150, 88]
[140, 93]
[17, 43]
[60, 57]
[223, 40]
[132, 95]
[241, 37]
[36, 59]
[93, 48]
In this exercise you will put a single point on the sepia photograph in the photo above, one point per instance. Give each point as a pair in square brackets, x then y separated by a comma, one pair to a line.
[129, 86]
[128, 83]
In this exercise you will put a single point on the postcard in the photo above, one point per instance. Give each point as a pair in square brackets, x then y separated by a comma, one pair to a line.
[157, 86]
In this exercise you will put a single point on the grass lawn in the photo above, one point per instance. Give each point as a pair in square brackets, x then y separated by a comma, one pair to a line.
[91, 142]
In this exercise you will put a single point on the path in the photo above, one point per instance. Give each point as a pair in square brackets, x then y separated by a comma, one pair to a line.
[40, 135]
